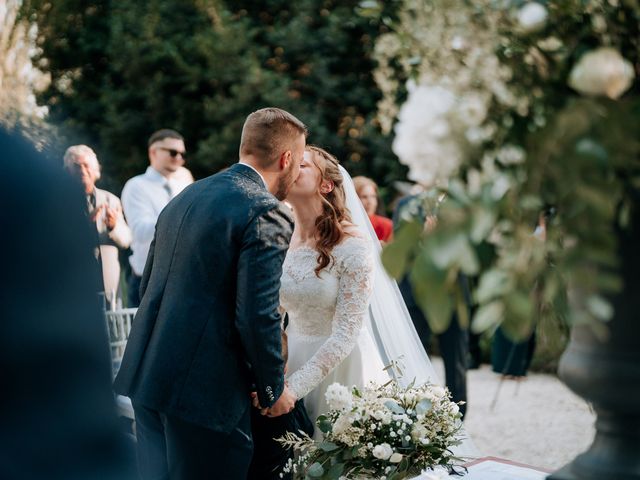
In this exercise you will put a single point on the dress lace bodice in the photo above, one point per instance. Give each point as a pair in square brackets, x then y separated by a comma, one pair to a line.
[333, 306]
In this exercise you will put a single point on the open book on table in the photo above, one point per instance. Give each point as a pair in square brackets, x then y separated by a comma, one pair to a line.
[492, 468]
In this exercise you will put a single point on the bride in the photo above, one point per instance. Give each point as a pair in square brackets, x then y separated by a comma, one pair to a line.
[326, 286]
[347, 318]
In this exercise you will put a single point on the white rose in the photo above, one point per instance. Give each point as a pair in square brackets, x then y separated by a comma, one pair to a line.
[532, 17]
[396, 458]
[383, 451]
[385, 417]
[424, 138]
[438, 391]
[341, 424]
[338, 397]
[418, 432]
[602, 72]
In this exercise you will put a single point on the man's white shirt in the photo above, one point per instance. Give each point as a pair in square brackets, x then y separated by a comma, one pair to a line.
[143, 198]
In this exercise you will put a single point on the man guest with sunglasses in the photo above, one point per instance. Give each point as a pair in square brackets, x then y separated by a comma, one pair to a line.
[144, 197]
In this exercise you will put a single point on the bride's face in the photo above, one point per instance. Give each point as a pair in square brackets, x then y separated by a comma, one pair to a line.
[308, 182]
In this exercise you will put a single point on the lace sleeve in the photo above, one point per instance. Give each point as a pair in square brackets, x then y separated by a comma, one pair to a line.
[354, 263]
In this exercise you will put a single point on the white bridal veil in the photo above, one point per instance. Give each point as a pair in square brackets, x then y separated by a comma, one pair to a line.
[390, 323]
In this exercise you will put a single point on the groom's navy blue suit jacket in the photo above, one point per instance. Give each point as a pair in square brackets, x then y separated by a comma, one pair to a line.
[208, 325]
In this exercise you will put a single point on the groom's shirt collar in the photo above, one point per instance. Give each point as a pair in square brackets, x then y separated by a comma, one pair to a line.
[259, 174]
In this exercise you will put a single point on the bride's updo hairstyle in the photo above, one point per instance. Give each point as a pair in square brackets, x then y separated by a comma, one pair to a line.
[330, 224]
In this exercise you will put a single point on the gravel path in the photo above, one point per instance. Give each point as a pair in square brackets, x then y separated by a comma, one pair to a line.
[537, 421]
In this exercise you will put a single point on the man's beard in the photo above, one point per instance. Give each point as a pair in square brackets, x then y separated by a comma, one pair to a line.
[285, 181]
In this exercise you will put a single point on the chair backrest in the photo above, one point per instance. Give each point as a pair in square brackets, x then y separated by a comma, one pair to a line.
[119, 326]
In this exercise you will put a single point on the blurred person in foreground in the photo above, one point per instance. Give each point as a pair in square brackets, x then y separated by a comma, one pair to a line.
[58, 415]
[145, 196]
[104, 211]
[367, 191]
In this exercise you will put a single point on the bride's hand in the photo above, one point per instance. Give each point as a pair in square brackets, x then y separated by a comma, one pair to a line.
[254, 400]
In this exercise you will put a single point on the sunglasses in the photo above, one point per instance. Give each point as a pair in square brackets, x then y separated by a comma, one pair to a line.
[174, 153]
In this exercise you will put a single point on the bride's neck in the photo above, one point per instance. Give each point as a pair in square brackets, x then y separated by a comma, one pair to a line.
[305, 214]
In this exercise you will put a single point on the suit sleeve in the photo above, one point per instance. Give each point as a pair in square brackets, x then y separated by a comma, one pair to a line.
[257, 318]
[144, 281]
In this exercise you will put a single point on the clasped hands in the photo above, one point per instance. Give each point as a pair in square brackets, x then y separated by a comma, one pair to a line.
[284, 404]
[111, 215]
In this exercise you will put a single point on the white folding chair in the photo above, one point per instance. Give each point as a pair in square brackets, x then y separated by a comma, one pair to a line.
[119, 326]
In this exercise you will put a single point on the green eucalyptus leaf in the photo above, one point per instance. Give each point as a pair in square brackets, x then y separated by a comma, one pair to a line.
[315, 470]
[438, 311]
[488, 316]
[519, 307]
[323, 424]
[454, 250]
[394, 407]
[531, 202]
[591, 148]
[482, 223]
[423, 406]
[428, 284]
[493, 283]
[335, 472]
[404, 464]
[600, 307]
[456, 190]
[328, 446]
[397, 254]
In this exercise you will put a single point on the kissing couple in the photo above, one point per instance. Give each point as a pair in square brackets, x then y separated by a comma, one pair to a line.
[205, 359]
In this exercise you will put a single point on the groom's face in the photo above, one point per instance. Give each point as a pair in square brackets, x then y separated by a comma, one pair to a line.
[292, 170]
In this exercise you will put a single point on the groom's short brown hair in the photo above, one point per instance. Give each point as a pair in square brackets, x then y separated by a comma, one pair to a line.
[269, 132]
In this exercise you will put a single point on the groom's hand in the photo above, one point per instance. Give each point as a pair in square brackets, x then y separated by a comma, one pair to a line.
[283, 405]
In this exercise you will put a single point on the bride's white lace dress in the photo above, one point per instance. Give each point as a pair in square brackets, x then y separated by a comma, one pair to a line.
[328, 341]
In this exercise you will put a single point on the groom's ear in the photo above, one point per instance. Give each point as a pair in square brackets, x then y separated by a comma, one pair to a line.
[285, 160]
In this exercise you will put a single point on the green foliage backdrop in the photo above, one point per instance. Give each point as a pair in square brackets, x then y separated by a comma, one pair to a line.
[121, 70]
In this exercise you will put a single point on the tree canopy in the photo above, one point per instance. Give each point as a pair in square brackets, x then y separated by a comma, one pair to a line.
[121, 70]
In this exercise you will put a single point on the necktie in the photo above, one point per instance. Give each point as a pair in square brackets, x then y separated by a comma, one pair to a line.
[91, 203]
[167, 187]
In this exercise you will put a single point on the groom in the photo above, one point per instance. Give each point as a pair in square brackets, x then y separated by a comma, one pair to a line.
[208, 327]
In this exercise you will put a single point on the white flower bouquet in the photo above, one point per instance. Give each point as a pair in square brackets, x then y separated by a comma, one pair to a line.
[382, 432]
